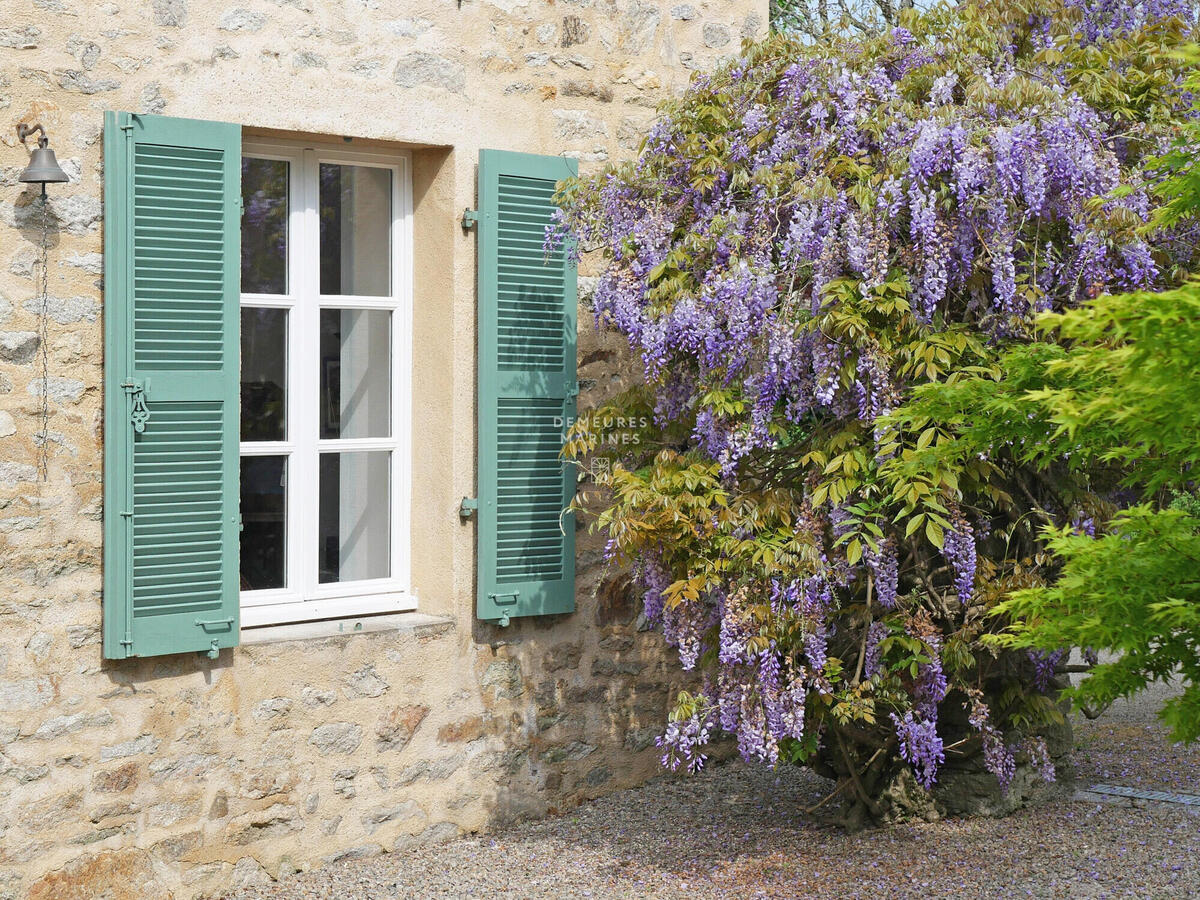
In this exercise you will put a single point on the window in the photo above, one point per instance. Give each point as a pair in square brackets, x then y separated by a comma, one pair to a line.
[325, 361]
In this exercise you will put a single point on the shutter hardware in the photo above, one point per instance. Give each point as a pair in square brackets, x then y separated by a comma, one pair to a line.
[139, 414]
[213, 649]
[504, 620]
[470, 218]
[467, 508]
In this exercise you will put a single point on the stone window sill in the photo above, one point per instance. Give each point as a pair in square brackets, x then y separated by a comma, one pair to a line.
[401, 623]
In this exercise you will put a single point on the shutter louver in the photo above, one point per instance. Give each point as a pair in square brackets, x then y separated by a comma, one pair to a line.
[171, 319]
[527, 388]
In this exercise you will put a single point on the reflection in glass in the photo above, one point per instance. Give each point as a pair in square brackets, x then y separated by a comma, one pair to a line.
[355, 373]
[264, 226]
[264, 513]
[356, 229]
[354, 516]
[264, 374]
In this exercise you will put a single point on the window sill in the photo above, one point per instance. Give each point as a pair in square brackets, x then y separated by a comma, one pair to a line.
[401, 623]
[366, 598]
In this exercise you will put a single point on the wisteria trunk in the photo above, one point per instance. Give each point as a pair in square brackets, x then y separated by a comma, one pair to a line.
[876, 787]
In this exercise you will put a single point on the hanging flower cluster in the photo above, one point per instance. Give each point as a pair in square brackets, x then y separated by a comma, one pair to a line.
[805, 235]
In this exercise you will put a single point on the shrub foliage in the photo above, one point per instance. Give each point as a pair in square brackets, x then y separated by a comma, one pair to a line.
[807, 236]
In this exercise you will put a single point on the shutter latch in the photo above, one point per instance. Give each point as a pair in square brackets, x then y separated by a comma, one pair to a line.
[512, 596]
[139, 414]
[470, 219]
[467, 508]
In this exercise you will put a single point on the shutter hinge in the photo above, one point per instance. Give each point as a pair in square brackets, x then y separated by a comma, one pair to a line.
[467, 508]
[139, 413]
[470, 218]
[572, 389]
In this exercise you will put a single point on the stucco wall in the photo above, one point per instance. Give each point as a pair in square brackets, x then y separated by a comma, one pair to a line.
[185, 775]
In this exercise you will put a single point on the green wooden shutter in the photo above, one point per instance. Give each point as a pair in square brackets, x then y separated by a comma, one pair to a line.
[171, 269]
[527, 390]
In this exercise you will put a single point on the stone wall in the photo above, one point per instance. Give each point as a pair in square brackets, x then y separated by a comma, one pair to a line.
[182, 776]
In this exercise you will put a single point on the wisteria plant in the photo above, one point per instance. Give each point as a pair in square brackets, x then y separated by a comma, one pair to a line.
[1105, 403]
[806, 236]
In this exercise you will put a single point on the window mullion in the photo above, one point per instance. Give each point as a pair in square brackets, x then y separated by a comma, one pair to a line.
[306, 344]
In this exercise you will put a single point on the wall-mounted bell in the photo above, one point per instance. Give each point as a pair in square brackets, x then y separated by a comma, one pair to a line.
[43, 165]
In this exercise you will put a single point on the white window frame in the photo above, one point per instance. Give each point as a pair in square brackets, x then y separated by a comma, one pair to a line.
[304, 598]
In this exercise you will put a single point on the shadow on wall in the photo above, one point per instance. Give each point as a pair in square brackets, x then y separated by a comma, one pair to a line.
[586, 693]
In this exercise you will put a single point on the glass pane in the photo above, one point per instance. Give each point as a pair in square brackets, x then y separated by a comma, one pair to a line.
[356, 229]
[264, 514]
[264, 374]
[355, 514]
[264, 226]
[356, 353]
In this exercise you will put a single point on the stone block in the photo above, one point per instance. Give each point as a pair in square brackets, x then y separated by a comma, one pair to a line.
[408, 812]
[504, 677]
[467, 729]
[572, 751]
[240, 19]
[365, 682]
[716, 35]
[145, 744]
[395, 728]
[114, 781]
[336, 737]
[574, 31]
[127, 874]
[589, 89]
[170, 13]
[563, 655]
[420, 69]
[18, 347]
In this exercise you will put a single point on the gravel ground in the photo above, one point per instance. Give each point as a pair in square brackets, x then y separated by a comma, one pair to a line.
[739, 832]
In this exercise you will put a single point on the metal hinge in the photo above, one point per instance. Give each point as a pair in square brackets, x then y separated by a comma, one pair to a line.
[572, 389]
[470, 218]
[139, 413]
[467, 508]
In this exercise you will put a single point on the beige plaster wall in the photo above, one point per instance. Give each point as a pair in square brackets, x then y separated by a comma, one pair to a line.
[181, 776]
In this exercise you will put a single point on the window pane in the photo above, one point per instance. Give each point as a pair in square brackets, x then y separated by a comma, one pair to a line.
[355, 535]
[264, 508]
[355, 373]
[264, 374]
[264, 226]
[356, 230]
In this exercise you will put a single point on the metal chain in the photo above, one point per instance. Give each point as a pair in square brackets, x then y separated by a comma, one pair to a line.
[44, 339]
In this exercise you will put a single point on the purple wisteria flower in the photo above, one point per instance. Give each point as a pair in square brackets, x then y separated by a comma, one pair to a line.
[920, 747]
